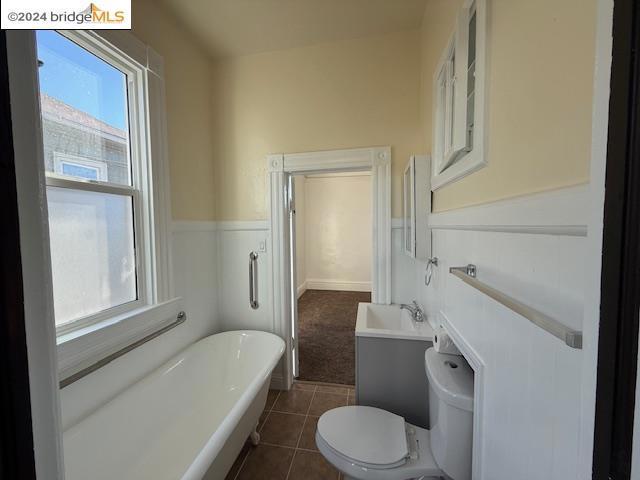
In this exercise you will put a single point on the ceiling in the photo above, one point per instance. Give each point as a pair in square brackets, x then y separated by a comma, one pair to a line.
[230, 28]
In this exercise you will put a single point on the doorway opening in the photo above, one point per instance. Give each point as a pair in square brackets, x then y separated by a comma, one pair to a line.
[371, 163]
[331, 229]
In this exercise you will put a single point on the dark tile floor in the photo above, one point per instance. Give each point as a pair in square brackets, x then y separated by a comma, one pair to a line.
[287, 449]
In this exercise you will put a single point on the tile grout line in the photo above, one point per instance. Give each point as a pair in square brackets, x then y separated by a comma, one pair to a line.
[297, 447]
[307, 450]
[268, 444]
[295, 450]
[291, 464]
[261, 427]
[339, 476]
[244, 460]
[289, 413]
[269, 412]
[306, 417]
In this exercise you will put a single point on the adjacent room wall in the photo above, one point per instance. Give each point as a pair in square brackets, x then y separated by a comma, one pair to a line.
[188, 90]
[347, 94]
[338, 235]
[541, 84]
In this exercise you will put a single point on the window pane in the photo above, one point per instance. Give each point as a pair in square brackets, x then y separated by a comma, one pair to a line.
[92, 252]
[84, 111]
[472, 39]
[471, 81]
[79, 171]
[471, 107]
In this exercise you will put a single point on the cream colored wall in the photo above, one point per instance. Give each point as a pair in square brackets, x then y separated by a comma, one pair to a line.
[338, 239]
[300, 206]
[188, 93]
[224, 117]
[540, 96]
[354, 93]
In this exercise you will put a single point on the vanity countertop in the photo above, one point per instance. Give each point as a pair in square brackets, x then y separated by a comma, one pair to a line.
[389, 321]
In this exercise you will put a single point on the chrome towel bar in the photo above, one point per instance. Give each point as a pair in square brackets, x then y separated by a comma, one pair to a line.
[572, 338]
[253, 280]
[180, 318]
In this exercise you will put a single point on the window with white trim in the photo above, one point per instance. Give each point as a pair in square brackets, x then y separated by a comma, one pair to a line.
[459, 99]
[107, 252]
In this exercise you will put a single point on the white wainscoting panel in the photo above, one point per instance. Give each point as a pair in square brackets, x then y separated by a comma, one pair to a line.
[196, 280]
[235, 311]
[530, 408]
[564, 211]
[237, 239]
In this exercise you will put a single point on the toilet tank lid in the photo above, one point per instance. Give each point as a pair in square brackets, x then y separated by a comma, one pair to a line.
[451, 378]
[365, 435]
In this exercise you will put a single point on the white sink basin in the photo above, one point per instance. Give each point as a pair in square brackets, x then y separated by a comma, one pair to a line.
[389, 321]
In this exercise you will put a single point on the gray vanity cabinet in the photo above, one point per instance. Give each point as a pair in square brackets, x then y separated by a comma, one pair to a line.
[390, 374]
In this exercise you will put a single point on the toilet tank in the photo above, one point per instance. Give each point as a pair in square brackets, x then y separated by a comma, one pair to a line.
[450, 412]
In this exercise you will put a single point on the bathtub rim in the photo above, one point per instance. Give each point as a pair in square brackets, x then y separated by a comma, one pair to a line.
[203, 458]
[212, 447]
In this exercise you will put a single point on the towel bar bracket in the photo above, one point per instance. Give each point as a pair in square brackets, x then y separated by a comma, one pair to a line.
[470, 270]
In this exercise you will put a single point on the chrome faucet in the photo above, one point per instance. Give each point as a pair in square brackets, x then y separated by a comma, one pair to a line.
[416, 312]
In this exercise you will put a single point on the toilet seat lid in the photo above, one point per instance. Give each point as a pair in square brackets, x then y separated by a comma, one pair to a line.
[366, 435]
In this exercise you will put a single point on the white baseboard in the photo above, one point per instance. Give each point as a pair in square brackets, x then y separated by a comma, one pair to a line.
[347, 286]
[301, 289]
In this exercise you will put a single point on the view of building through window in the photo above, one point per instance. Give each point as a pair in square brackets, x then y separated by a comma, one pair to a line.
[84, 109]
[85, 135]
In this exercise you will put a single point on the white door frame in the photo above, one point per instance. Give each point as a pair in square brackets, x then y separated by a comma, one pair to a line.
[39, 320]
[377, 160]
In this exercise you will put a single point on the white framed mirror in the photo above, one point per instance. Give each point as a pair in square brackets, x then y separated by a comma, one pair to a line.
[416, 206]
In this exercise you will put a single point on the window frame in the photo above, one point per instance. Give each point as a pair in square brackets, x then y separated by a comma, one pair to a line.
[86, 341]
[137, 131]
[448, 167]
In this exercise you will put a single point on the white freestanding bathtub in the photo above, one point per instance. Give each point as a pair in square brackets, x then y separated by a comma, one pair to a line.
[186, 420]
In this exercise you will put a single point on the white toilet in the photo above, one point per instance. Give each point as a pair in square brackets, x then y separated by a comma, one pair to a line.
[368, 443]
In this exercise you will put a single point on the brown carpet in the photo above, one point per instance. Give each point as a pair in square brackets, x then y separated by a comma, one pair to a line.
[326, 335]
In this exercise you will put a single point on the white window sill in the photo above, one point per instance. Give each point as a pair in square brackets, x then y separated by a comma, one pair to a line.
[84, 347]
